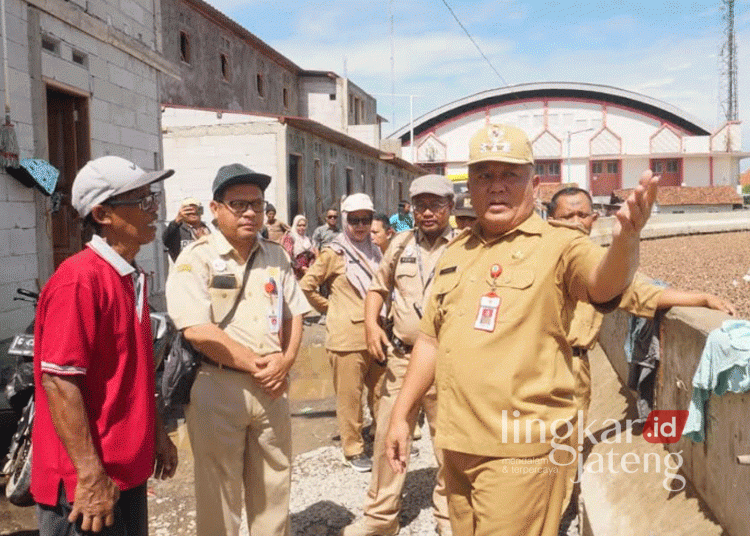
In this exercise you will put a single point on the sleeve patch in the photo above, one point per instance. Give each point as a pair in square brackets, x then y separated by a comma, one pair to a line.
[184, 268]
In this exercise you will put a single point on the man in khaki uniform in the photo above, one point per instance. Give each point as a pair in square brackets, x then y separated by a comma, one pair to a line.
[347, 266]
[238, 416]
[493, 340]
[574, 206]
[408, 268]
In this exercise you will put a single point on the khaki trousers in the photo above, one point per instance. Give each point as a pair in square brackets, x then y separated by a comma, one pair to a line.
[582, 398]
[241, 442]
[505, 496]
[352, 372]
[383, 500]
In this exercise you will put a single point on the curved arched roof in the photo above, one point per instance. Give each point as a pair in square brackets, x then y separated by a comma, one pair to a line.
[555, 90]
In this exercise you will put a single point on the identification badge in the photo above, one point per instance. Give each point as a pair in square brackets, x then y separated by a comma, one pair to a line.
[275, 293]
[487, 314]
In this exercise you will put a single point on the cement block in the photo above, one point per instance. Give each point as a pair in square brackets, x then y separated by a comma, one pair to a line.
[145, 159]
[22, 241]
[19, 193]
[134, 11]
[66, 72]
[122, 116]
[105, 132]
[98, 67]
[17, 268]
[4, 182]
[106, 91]
[15, 215]
[121, 77]
[136, 139]
[4, 243]
[115, 56]
[100, 111]
[147, 123]
[148, 89]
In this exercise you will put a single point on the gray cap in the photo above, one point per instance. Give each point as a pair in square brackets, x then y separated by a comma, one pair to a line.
[431, 184]
[463, 206]
[238, 174]
[107, 177]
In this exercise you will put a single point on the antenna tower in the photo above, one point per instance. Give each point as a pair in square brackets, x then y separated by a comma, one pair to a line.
[728, 65]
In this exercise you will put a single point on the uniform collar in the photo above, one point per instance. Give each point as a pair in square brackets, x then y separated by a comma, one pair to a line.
[114, 259]
[223, 246]
[533, 225]
[446, 235]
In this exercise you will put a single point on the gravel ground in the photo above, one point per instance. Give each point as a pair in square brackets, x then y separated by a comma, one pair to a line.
[715, 263]
[327, 494]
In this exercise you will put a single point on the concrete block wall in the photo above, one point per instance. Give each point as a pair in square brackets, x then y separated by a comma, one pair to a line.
[18, 259]
[123, 97]
[124, 121]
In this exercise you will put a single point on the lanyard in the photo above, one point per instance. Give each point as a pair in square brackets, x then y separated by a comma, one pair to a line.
[418, 254]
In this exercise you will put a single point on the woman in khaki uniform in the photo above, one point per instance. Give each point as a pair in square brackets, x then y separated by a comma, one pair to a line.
[347, 265]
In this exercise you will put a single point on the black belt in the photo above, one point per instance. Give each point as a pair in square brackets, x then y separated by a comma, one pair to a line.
[401, 346]
[221, 366]
[579, 351]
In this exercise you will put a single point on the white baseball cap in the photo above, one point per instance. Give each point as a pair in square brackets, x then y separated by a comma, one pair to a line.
[355, 202]
[107, 177]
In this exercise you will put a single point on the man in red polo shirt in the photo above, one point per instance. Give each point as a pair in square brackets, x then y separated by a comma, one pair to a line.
[97, 436]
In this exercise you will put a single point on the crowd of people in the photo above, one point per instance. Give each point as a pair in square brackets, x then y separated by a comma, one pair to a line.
[491, 320]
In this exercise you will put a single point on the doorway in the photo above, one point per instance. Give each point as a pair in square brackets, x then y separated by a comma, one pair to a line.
[69, 144]
[295, 190]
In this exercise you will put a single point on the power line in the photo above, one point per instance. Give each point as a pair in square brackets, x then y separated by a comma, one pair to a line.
[475, 43]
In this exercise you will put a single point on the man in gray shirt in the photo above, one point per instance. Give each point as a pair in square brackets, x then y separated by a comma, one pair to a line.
[323, 235]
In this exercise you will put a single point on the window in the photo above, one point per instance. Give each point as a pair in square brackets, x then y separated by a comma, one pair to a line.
[79, 58]
[184, 47]
[50, 44]
[349, 181]
[670, 170]
[596, 167]
[612, 168]
[224, 67]
[548, 170]
[285, 97]
[259, 84]
[331, 96]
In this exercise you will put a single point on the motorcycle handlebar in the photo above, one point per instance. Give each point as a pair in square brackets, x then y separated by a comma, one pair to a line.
[27, 294]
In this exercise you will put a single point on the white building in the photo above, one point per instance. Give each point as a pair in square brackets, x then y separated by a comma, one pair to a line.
[311, 165]
[83, 84]
[597, 136]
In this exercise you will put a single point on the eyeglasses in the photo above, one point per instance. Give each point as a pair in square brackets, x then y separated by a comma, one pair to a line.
[240, 206]
[364, 220]
[147, 203]
[434, 206]
[332, 217]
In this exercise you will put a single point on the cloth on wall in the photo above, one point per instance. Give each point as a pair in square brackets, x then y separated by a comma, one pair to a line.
[724, 367]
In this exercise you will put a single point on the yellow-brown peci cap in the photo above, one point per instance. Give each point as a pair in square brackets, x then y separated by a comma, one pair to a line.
[500, 143]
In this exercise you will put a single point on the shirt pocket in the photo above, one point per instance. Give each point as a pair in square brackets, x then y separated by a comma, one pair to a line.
[512, 287]
[222, 300]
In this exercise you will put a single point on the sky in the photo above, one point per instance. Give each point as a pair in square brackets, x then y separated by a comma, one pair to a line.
[664, 49]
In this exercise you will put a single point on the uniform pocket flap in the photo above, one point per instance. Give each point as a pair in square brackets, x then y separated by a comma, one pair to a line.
[515, 278]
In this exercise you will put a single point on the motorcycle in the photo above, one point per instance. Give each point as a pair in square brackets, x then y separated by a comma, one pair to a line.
[20, 394]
